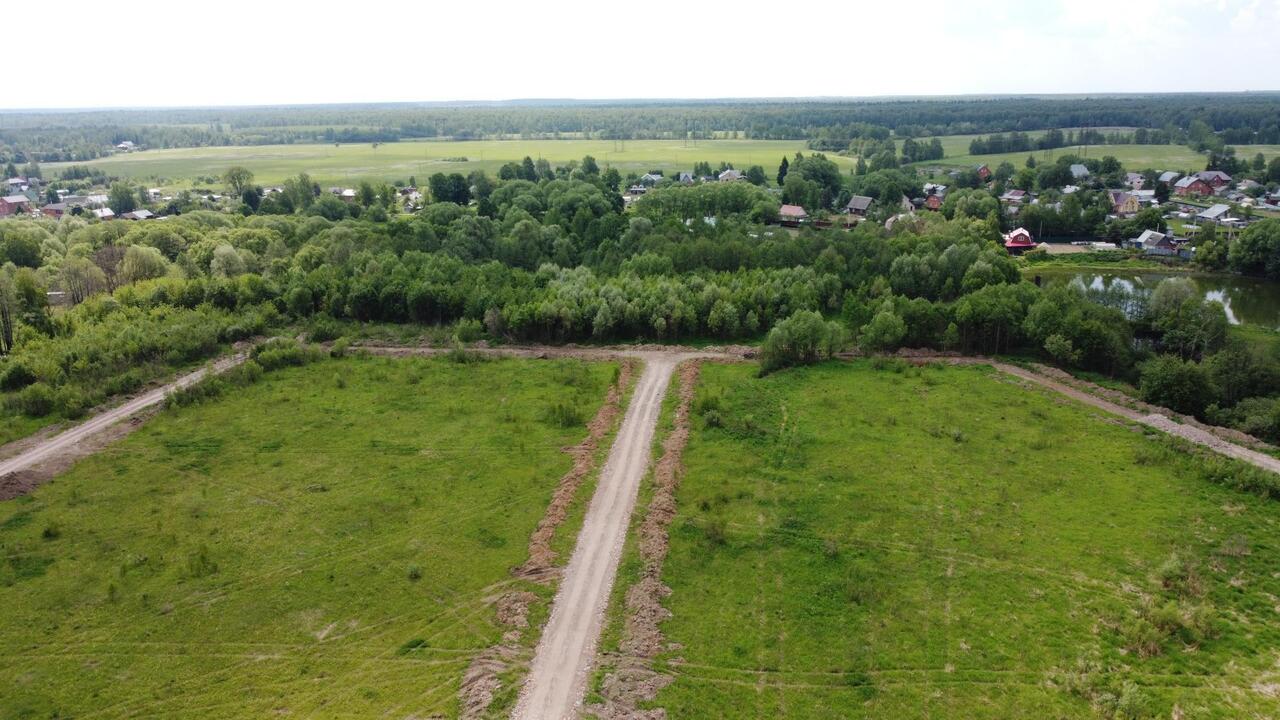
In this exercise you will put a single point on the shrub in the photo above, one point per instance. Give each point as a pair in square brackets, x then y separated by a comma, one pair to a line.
[36, 400]
[800, 339]
[468, 331]
[16, 376]
[562, 414]
[323, 329]
[1177, 384]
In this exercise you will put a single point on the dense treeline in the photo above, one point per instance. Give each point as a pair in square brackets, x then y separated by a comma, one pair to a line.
[77, 136]
[557, 258]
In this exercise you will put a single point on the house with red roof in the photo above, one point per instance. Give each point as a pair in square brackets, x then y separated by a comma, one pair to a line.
[1018, 241]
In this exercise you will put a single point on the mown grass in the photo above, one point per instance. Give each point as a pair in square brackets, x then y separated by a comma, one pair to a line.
[350, 163]
[943, 542]
[321, 543]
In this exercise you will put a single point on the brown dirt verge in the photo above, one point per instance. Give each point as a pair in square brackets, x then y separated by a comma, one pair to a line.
[24, 481]
[480, 682]
[632, 679]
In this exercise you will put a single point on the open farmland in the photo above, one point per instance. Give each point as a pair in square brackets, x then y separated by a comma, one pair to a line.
[325, 542]
[398, 161]
[1133, 157]
[942, 542]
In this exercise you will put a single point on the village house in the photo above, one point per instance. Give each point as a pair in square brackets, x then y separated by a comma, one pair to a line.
[14, 205]
[858, 205]
[1079, 172]
[138, 215]
[935, 189]
[933, 202]
[1134, 180]
[54, 210]
[1014, 197]
[984, 173]
[792, 215]
[104, 214]
[686, 178]
[1215, 178]
[1192, 185]
[651, 178]
[1153, 243]
[1123, 203]
[1169, 177]
[1018, 241]
[729, 175]
[126, 146]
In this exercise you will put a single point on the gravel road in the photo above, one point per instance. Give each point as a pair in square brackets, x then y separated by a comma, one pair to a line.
[557, 680]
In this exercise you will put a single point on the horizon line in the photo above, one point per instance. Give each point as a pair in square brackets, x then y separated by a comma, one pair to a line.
[554, 102]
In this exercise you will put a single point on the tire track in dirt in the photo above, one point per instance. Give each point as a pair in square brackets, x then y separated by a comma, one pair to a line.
[633, 679]
[480, 681]
[36, 465]
[557, 680]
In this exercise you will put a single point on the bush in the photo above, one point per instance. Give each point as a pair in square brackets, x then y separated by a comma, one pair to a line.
[468, 331]
[1180, 385]
[563, 415]
[800, 339]
[36, 400]
[323, 329]
[16, 376]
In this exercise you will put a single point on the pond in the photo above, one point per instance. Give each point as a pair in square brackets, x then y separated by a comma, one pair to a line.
[1248, 301]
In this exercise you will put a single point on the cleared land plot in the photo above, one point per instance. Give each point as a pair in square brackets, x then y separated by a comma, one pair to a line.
[943, 542]
[325, 543]
[334, 164]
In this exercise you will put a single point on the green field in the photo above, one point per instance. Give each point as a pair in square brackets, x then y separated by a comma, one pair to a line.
[1132, 157]
[324, 543]
[398, 161]
[942, 542]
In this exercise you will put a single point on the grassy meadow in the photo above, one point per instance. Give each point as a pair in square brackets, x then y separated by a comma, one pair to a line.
[943, 542]
[349, 163]
[324, 543]
[1133, 157]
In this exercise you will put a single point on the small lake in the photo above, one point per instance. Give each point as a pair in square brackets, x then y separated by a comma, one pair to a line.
[1249, 301]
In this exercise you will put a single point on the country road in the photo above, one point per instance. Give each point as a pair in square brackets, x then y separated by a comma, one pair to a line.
[557, 680]
[68, 439]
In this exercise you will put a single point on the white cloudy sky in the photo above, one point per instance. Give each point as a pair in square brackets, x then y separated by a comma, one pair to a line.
[148, 52]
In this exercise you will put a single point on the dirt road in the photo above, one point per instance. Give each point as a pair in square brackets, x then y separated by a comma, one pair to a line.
[65, 443]
[557, 680]
[1154, 420]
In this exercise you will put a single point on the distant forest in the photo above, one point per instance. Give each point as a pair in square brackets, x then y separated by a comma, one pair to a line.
[50, 136]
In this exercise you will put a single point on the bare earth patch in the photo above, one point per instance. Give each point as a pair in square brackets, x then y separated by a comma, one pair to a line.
[633, 680]
[24, 481]
[480, 682]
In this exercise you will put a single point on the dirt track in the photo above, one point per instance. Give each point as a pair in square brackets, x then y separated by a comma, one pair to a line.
[57, 453]
[557, 680]
[1154, 420]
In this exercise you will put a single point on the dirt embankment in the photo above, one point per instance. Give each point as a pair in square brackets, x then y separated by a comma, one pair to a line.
[480, 682]
[632, 679]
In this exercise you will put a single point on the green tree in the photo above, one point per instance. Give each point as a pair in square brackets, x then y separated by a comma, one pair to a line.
[121, 198]
[803, 338]
[237, 178]
[782, 170]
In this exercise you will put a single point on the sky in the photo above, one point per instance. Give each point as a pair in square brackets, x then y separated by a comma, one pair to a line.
[272, 52]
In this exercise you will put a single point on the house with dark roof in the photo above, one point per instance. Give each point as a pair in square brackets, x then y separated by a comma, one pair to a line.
[1153, 243]
[138, 215]
[1018, 241]
[1215, 178]
[1014, 197]
[933, 202]
[858, 205]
